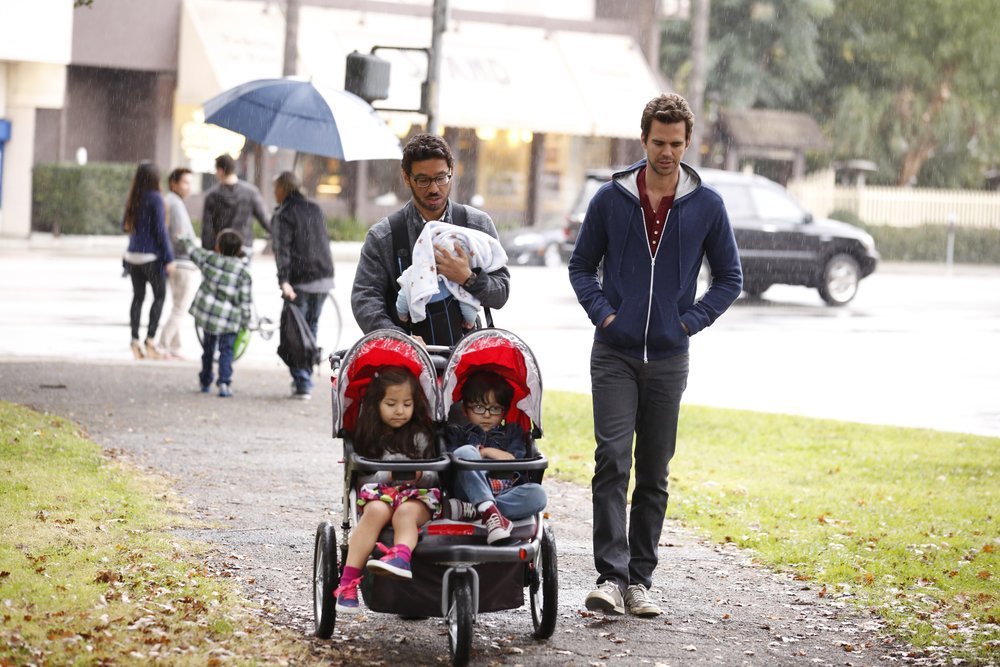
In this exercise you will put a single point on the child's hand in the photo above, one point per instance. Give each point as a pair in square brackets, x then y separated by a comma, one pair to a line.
[495, 453]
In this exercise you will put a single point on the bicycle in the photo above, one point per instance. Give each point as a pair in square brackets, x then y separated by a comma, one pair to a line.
[331, 327]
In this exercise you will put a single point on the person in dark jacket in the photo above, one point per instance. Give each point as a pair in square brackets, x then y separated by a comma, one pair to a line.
[150, 254]
[230, 204]
[427, 169]
[305, 265]
[652, 226]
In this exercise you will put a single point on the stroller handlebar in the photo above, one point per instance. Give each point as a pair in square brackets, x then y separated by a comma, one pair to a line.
[514, 465]
[362, 464]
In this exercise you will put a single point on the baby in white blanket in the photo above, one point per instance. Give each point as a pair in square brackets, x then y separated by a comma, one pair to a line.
[421, 284]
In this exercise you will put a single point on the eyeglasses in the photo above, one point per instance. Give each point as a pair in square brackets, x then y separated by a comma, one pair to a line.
[480, 409]
[423, 182]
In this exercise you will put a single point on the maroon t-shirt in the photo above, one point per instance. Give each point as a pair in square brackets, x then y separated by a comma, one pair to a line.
[655, 219]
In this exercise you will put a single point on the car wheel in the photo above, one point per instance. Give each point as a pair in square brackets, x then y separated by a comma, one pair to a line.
[839, 283]
[552, 256]
[755, 289]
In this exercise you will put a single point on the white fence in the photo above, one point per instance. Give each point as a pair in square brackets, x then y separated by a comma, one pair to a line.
[899, 207]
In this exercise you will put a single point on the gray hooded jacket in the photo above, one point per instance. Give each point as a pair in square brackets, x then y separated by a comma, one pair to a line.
[374, 296]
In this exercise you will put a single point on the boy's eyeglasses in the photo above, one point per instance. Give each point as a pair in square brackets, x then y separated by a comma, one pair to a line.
[423, 182]
[480, 409]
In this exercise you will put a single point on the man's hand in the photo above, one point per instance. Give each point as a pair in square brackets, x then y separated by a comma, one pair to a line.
[169, 268]
[287, 291]
[454, 267]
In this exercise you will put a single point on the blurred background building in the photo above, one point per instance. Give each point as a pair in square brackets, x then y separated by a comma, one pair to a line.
[531, 94]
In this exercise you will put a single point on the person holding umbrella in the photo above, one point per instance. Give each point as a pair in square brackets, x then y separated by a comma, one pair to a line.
[230, 204]
[427, 169]
[305, 265]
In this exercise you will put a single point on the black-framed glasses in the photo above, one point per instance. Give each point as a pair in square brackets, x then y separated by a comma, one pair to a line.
[423, 182]
[480, 409]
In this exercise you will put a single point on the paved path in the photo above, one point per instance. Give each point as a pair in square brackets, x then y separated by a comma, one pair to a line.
[261, 471]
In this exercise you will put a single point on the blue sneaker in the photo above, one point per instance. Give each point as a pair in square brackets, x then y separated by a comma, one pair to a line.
[391, 565]
[347, 597]
[224, 391]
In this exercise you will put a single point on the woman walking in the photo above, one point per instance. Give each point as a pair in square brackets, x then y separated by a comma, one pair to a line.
[149, 257]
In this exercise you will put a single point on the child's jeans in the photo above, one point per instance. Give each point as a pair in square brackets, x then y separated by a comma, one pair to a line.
[516, 502]
[225, 343]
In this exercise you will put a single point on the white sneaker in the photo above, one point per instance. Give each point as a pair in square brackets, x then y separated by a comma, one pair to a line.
[459, 510]
[607, 597]
[638, 603]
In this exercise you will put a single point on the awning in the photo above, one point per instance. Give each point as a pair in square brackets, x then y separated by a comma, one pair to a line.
[492, 76]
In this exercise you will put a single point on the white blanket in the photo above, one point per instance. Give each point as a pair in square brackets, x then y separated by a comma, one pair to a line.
[419, 282]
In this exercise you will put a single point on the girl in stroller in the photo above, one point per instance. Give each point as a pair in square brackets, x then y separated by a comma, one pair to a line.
[394, 424]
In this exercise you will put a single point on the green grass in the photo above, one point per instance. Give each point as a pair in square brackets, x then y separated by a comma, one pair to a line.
[901, 521]
[88, 573]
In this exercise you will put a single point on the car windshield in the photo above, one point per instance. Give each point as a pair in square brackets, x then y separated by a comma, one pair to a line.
[737, 199]
[774, 204]
[590, 187]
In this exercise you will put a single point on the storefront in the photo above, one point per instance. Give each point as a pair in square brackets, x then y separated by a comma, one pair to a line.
[527, 109]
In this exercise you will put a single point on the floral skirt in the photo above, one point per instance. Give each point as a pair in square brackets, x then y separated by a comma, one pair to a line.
[395, 495]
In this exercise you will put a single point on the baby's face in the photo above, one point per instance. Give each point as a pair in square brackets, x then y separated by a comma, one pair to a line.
[492, 413]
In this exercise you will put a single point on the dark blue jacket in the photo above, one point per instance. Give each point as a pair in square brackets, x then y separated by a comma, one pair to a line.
[649, 295]
[150, 235]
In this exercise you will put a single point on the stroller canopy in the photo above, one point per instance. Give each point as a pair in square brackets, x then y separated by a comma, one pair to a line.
[507, 355]
[380, 349]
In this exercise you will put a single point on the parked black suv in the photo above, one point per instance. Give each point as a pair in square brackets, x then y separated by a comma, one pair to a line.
[779, 241]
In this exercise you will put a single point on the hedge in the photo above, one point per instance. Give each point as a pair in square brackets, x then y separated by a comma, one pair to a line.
[929, 242]
[75, 199]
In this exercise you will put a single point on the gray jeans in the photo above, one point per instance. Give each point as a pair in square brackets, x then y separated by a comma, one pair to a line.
[640, 399]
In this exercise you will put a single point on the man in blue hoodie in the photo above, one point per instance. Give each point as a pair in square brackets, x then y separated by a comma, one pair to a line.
[652, 226]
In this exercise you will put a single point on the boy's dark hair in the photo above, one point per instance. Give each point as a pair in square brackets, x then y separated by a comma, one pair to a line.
[177, 174]
[230, 242]
[481, 384]
[667, 108]
[372, 437]
[426, 147]
[226, 163]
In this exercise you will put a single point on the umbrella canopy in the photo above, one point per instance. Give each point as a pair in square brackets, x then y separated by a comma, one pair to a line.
[300, 115]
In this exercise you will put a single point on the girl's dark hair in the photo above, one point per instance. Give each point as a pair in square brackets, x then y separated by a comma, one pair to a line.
[146, 179]
[480, 384]
[372, 437]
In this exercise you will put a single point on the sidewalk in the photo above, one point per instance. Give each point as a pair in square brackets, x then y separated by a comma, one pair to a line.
[349, 251]
[110, 246]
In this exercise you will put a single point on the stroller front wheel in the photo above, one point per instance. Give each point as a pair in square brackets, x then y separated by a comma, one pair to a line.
[459, 620]
[326, 575]
[544, 587]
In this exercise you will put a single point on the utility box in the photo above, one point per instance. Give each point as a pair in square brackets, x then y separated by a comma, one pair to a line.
[367, 76]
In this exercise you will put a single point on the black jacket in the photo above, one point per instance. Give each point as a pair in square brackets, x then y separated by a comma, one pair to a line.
[301, 242]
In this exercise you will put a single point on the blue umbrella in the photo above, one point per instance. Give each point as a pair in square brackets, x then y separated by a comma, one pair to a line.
[299, 115]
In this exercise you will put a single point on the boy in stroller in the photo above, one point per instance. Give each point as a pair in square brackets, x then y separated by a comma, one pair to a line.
[486, 399]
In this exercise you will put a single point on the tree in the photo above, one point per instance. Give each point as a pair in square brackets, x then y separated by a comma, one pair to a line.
[908, 81]
[762, 53]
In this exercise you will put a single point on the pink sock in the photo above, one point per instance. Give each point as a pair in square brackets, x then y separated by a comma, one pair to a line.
[404, 552]
[350, 574]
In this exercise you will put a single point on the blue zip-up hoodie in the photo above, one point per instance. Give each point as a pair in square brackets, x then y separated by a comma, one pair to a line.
[651, 295]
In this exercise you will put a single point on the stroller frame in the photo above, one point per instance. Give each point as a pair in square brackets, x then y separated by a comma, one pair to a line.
[473, 576]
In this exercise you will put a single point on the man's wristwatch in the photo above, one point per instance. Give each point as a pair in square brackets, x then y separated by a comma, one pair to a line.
[471, 280]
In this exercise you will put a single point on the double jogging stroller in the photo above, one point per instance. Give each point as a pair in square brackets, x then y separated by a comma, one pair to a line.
[456, 574]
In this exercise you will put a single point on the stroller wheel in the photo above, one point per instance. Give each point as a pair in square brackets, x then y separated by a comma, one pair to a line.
[544, 587]
[460, 621]
[326, 575]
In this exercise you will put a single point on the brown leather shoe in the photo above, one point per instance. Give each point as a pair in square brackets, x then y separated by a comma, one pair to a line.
[151, 351]
[137, 349]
